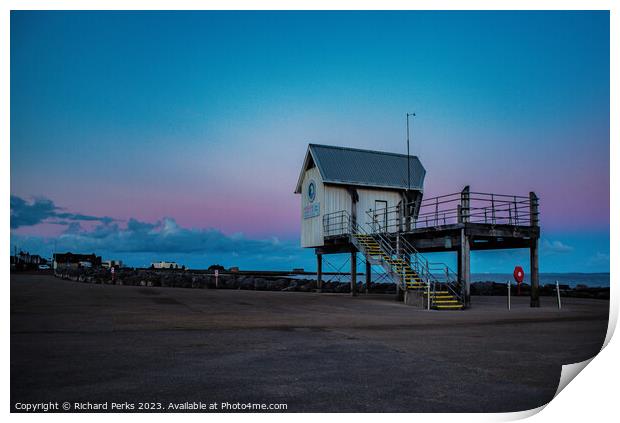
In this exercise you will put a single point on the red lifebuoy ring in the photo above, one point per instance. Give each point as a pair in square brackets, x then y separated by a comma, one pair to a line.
[519, 274]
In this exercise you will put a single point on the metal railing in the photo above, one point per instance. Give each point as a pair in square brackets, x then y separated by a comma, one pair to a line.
[385, 226]
[461, 207]
[337, 223]
[435, 276]
[438, 275]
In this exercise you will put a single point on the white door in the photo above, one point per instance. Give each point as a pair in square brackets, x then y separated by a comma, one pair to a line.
[380, 220]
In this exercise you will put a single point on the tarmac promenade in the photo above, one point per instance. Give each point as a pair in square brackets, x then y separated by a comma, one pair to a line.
[78, 342]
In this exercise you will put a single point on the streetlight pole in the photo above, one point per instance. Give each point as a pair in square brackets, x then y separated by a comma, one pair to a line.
[408, 156]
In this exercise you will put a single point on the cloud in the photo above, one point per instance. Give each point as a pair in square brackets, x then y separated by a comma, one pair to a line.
[165, 236]
[138, 243]
[598, 259]
[555, 247]
[40, 210]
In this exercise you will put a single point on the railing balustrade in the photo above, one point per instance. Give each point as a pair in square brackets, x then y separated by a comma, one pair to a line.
[461, 207]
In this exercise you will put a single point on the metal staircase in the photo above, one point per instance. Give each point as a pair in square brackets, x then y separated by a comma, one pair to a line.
[409, 270]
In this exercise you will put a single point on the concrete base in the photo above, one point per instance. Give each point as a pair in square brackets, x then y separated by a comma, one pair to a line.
[415, 298]
[55, 325]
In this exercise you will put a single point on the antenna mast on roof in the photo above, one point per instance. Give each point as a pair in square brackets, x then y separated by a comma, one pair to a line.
[408, 156]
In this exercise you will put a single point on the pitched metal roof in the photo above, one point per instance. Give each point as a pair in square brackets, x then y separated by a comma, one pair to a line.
[352, 166]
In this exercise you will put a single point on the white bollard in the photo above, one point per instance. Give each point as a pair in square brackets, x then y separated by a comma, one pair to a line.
[557, 289]
[428, 294]
[508, 285]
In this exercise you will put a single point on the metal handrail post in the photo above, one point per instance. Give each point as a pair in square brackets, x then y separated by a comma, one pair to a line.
[516, 211]
[428, 294]
[508, 285]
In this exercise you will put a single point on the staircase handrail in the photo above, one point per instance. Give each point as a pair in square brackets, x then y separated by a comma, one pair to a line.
[421, 264]
[452, 281]
[344, 224]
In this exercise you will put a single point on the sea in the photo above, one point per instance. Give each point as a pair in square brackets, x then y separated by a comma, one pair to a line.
[591, 280]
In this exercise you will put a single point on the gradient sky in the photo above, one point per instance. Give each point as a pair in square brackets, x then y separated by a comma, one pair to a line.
[204, 118]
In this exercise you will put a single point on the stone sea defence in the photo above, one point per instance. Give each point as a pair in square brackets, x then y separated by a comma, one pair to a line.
[189, 279]
[260, 282]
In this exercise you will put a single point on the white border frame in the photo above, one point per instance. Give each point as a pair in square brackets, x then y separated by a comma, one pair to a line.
[590, 398]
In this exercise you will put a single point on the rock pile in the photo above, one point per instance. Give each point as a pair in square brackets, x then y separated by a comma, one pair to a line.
[188, 279]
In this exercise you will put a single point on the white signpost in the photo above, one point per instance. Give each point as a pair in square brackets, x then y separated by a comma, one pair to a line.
[508, 286]
[217, 274]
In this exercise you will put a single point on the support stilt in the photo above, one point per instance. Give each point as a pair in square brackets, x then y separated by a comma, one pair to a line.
[534, 299]
[353, 273]
[368, 276]
[467, 273]
[319, 272]
[464, 270]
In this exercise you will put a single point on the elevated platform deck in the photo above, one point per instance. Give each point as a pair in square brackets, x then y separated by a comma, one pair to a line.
[460, 222]
[481, 236]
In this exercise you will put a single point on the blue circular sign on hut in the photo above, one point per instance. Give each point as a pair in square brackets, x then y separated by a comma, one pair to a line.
[311, 191]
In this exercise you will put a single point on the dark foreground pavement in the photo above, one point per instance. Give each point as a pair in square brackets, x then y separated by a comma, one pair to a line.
[78, 342]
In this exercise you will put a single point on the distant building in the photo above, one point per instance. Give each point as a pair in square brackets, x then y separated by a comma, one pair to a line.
[71, 260]
[107, 264]
[27, 261]
[165, 265]
[27, 258]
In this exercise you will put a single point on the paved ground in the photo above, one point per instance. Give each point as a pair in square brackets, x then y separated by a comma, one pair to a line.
[77, 342]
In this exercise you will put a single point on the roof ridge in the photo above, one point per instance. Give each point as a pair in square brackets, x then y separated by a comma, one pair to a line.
[362, 150]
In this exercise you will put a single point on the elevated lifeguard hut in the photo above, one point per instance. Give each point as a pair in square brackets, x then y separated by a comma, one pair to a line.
[371, 202]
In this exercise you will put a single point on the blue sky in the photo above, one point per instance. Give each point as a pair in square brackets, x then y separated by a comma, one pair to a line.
[184, 120]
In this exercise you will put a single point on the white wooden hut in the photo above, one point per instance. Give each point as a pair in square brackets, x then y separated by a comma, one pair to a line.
[340, 185]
